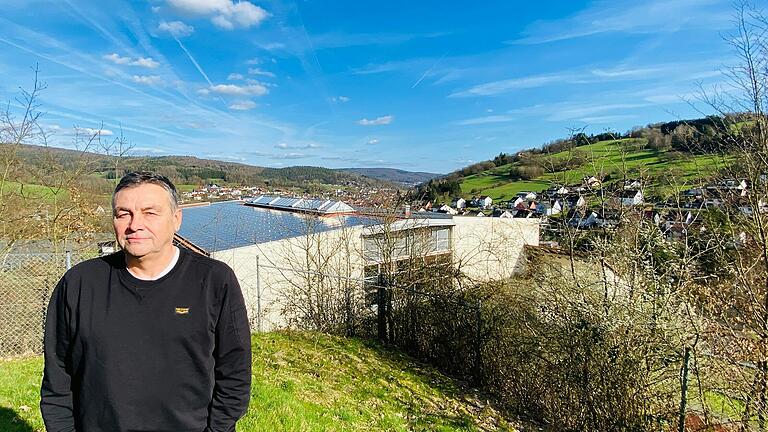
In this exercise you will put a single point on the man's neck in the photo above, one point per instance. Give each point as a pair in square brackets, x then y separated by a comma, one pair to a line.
[149, 266]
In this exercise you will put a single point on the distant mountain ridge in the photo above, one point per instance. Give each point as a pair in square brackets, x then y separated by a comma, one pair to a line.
[197, 171]
[409, 178]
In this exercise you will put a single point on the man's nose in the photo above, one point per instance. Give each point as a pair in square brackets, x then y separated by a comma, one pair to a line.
[137, 222]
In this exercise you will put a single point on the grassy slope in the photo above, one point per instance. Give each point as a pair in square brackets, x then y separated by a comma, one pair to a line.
[309, 382]
[604, 157]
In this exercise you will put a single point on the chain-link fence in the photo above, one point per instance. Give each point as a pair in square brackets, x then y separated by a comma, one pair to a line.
[421, 313]
[26, 284]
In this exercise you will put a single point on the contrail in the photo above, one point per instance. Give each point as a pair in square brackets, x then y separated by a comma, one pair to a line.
[194, 62]
[426, 72]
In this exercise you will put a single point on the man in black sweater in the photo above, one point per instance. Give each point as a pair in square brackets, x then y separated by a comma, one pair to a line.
[151, 338]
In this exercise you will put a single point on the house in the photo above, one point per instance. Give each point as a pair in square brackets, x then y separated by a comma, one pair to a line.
[523, 214]
[528, 196]
[592, 182]
[549, 208]
[632, 184]
[499, 213]
[459, 203]
[631, 197]
[582, 219]
[745, 206]
[573, 201]
[653, 216]
[484, 202]
[677, 222]
[517, 202]
[557, 191]
[447, 209]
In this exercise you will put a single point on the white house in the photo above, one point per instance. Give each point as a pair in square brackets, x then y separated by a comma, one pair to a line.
[631, 197]
[575, 201]
[459, 203]
[484, 202]
[447, 209]
[549, 208]
[528, 196]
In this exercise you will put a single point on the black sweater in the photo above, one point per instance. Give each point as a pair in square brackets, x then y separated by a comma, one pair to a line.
[122, 354]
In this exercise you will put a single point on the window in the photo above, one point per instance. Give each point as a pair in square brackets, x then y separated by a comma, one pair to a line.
[441, 238]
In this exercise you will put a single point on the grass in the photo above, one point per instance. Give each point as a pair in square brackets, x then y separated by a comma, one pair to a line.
[614, 157]
[309, 382]
[34, 191]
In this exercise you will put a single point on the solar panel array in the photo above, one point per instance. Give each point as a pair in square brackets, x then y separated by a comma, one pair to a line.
[309, 205]
[228, 225]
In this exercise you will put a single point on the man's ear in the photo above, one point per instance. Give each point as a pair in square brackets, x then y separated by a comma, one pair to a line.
[177, 219]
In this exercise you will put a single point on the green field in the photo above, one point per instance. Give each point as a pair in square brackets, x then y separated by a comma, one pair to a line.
[34, 191]
[616, 158]
[309, 382]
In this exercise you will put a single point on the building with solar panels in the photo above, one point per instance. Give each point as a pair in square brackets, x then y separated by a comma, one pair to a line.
[313, 206]
[282, 249]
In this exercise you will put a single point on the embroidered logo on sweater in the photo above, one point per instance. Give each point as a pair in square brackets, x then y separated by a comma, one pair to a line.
[182, 311]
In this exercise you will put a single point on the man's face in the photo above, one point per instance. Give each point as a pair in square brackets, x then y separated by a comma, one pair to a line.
[144, 220]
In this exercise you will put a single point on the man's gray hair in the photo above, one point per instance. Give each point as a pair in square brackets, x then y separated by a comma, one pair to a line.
[136, 178]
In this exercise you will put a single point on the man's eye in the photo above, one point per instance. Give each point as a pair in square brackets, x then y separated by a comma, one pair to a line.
[121, 215]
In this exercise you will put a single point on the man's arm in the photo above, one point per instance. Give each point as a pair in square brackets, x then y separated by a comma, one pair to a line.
[232, 356]
[55, 392]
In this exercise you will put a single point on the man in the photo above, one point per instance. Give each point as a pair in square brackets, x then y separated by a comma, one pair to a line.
[151, 338]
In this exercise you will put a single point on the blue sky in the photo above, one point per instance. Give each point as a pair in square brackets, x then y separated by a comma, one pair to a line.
[422, 86]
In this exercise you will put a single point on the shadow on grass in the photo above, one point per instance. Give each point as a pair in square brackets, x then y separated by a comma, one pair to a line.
[11, 422]
[429, 376]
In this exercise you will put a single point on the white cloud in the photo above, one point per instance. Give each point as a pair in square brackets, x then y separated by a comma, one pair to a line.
[225, 14]
[243, 105]
[92, 132]
[253, 61]
[176, 28]
[487, 119]
[502, 86]
[257, 71]
[149, 150]
[285, 146]
[146, 62]
[615, 16]
[235, 77]
[146, 79]
[237, 90]
[340, 99]
[384, 120]
[373, 141]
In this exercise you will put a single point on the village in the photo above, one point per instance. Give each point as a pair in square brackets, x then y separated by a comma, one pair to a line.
[592, 205]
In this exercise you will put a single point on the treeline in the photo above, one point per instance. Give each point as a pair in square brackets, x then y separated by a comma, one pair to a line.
[184, 170]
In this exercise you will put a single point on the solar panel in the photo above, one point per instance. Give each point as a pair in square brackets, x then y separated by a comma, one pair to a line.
[264, 199]
[284, 202]
[309, 204]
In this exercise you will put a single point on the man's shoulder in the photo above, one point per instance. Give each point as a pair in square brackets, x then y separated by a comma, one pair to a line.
[206, 264]
[97, 265]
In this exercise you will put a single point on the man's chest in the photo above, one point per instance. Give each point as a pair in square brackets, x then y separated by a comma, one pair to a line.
[125, 321]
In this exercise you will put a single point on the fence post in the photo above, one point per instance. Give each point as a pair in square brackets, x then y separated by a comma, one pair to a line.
[381, 308]
[68, 259]
[258, 295]
[683, 389]
[477, 372]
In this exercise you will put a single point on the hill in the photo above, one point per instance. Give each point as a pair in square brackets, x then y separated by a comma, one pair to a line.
[309, 382]
[408, 178]
[663, 172]
[190, 170]
[665, 157]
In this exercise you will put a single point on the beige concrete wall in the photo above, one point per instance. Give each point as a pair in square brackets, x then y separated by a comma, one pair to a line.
[486, 248]
[336, 252]
[483, 248]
